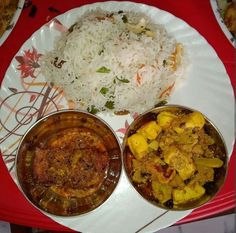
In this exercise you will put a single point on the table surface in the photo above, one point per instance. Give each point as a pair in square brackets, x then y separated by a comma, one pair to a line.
[14, 207]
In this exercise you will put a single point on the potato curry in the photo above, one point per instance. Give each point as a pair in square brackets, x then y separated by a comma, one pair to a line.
[173, 160]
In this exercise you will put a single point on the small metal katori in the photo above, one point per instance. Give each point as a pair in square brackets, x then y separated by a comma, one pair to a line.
[146, 189]
[68, 163]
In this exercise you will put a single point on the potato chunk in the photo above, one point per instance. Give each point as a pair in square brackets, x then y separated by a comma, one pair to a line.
[188, 193]
[165, 118]
[183, 164]
[161, 191]
[205, 174]
[138, 145]
[150, 130]
[209, 162]
[153, 145]
[195, 119]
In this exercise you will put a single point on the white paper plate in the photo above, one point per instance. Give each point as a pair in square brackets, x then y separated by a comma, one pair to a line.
[217, 7]
[23, 100]
[13, 21]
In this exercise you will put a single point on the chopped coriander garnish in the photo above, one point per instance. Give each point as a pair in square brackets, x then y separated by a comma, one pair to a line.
[112, 96]
[110, 15]
[123, 80]
[109, 104]
[92, 109]
[104, 90]
[71, 28]
[100, 52]
[103, 70]
[161, 103]
[124, 19]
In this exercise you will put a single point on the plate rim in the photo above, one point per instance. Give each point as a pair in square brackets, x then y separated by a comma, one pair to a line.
[126, 2]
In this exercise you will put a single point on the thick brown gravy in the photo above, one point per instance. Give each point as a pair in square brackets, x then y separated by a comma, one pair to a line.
[72, 162]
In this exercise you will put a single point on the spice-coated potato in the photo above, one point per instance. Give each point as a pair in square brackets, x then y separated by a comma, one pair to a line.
[195, 119]
[188, 193]
[165, 118]
[150, 130]
[138, 145]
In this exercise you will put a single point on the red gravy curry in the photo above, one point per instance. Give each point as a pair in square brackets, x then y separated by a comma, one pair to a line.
[68, 163]
[72, 162]
[68, 170]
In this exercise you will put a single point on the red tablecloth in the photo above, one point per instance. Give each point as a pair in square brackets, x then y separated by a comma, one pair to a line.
[198, 14]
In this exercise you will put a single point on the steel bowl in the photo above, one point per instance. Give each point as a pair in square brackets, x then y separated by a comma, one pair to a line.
[68, 163]
[149, 177]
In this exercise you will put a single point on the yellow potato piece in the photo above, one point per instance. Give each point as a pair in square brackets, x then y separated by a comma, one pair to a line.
[171, 153]
[165, 118]
[153, 145]
[188, 193]
[178, 130]
[195, 119]
[150, 130]
[161, 191]
[209, 162]
[187, 171]
[181, 163]
[138, 145]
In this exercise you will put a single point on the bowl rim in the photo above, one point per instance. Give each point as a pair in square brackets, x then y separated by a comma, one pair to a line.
[62, 111]
[152, 110]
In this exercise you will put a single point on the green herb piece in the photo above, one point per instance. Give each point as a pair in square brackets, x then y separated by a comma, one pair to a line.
[10, 26]
[71, 28]
[123, 80]
[109, 104]
[103, 70]
[110, 15]
[124, 19]
[161, 103]
[164, 63]
[92, 109]
[112, 96]
[104, 90]
[100, 52]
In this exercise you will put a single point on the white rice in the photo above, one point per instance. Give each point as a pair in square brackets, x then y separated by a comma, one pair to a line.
[100, 41]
